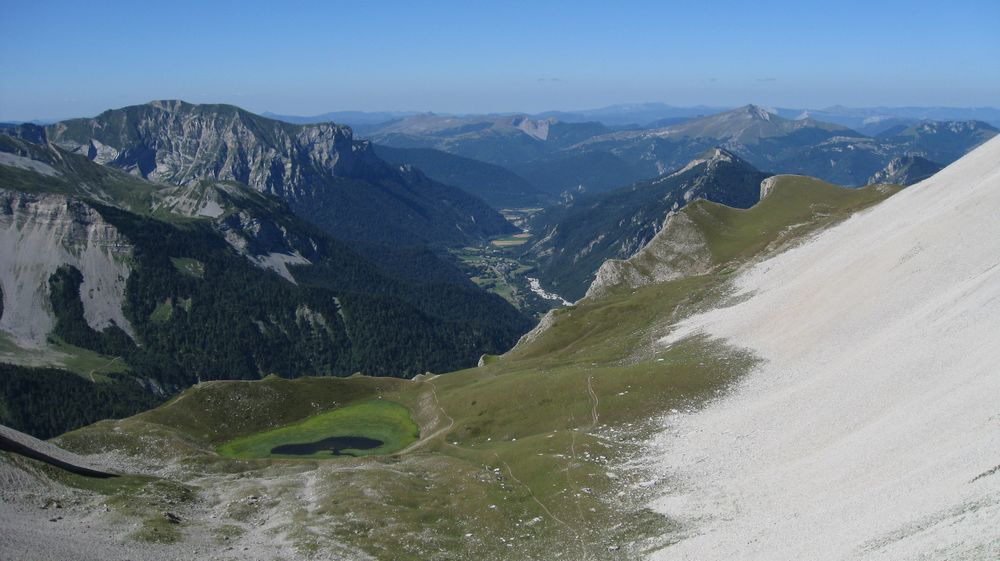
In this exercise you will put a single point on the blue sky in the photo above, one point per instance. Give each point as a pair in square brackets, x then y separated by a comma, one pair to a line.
[63, 59]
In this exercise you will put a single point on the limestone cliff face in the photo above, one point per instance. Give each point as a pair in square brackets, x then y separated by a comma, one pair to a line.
[326, 175]
[905, 170]
[38, 234]
[679, 249]
[766, 187]
[257, 227]
[179, 143]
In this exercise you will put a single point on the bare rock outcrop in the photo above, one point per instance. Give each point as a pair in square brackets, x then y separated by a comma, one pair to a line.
[40, 233]
[678, 249]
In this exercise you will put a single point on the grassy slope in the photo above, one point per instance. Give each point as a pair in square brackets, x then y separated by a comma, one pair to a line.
[796, 206]
[797, 202]
[88, 364]
[518, 459]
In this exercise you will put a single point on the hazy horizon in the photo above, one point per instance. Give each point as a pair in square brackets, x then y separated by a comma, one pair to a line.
[708, 108]
[449, 57]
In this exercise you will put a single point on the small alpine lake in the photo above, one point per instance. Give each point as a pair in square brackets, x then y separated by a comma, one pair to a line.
[337, 445]
[369, 428]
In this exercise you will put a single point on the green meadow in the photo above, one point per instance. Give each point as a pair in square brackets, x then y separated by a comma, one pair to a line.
[385, 421]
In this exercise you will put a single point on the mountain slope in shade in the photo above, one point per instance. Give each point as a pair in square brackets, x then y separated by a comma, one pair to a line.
[905, 170]
[499, 187]
[869, 428]
[574, 240]
[941, 141]
[572, 174]
[849, 160]
[324, 174]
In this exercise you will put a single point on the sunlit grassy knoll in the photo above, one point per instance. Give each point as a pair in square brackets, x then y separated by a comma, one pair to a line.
[796, 205]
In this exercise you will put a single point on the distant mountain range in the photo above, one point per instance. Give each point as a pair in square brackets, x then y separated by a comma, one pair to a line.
[625, 115]
[501, 140]
[565, 159]
[351, 118]
[647, 114]
[873, 120]
[552, 155]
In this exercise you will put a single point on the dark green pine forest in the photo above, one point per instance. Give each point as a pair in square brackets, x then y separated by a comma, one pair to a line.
[200, 311]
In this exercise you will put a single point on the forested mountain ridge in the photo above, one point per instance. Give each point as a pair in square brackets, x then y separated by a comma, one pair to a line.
[210, 280]
[498, 186]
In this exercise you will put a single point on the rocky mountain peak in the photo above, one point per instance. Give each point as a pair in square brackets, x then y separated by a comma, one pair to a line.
[711, 159]
[535, 128]
[757, 112]
[905, 170]
[176, 142]
[173, 105]
[718, 154]
[327, 177]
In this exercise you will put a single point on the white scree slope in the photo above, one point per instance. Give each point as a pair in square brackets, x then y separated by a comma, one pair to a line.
[872, 428]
